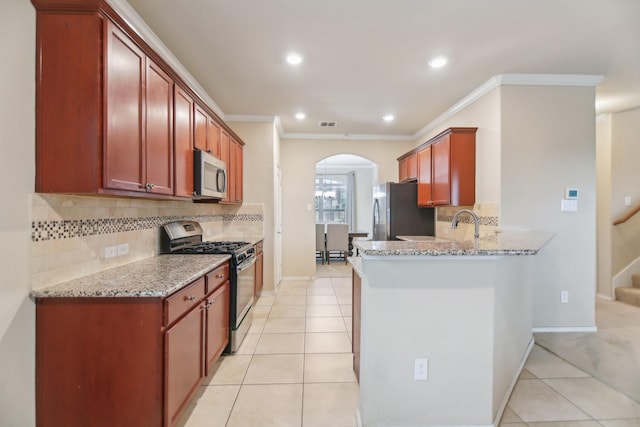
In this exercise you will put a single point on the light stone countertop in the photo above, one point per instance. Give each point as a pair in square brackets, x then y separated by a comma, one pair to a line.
[505, 243]
[157, 276]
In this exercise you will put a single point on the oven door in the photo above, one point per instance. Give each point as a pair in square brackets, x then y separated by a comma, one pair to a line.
[245, 282]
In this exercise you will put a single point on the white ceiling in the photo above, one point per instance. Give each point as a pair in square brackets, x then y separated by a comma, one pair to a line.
[367, 58]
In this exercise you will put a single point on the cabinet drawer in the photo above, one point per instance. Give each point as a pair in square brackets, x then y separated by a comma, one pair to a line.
[180, 302]
[217, 277]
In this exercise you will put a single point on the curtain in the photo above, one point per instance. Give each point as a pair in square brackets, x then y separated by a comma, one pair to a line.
[351, 198]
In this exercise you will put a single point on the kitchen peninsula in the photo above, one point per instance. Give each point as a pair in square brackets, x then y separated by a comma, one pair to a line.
[464, 306]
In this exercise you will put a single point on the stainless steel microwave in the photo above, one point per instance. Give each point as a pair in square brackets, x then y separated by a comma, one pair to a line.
[210, 176]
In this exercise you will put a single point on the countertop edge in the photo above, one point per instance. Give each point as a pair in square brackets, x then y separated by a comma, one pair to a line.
[510, 243]
[158, 276]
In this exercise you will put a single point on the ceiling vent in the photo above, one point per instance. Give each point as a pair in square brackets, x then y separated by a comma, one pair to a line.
[328, 124]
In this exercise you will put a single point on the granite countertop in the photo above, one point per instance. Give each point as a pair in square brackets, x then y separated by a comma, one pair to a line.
[503, 243]
[158, 276]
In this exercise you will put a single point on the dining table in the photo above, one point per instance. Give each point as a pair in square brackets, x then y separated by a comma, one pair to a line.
[353, 234]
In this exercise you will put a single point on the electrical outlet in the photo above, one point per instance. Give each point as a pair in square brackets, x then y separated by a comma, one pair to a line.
[564, 297]
[123, 249]
[421, 370]
[110, 252]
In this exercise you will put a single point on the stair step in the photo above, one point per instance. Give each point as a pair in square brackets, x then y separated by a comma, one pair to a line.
[629, 295]
[635, 280]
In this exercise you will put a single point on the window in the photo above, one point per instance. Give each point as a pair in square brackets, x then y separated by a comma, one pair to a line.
[331, 198]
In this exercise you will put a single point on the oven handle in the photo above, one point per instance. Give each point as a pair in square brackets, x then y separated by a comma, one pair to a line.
[246, 264]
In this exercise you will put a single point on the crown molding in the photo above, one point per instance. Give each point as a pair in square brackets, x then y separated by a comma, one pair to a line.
[249, 118]
[354, 137]
[510, 80]
[138, 25]
[591, 80]
[134, 20]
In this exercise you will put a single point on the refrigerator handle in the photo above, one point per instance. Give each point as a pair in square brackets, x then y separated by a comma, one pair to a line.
[376, 217]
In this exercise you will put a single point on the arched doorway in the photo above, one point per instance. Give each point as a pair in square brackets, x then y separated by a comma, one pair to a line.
[344, 191]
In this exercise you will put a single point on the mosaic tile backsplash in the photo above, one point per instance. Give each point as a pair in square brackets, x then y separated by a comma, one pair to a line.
[69, 233]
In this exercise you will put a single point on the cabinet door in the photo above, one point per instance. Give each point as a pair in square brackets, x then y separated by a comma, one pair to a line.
[239, 171]
[440, 161]
[183, 143]
[183, 362]
[124, 144]
[217, 324]
[424, 177]
[402, 170]
[201, 119]
[158, 139]
[234, 171]
[225, 156]
[412, 167]
[213, 137]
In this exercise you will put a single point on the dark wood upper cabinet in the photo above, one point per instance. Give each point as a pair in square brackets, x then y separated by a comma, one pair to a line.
[446, 168]
[408, 167]
[231, 152]
[139, 136]
[105, 108]
[183, 124]
[424, 176]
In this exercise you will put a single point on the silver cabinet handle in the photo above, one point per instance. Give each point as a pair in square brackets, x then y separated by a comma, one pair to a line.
[190, 298]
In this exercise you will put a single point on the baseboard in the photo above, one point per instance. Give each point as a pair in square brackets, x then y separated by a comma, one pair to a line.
[607, 297]
[567, 329]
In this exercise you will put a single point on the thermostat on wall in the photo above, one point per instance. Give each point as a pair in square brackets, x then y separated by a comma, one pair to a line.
[571, 193]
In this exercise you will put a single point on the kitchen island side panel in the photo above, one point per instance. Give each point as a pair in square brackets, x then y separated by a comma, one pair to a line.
[444, 309]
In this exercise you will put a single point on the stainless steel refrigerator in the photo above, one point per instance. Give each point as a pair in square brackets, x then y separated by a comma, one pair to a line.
[396, 212]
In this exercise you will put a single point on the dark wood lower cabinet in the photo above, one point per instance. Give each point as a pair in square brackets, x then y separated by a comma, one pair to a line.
[128, 362]
[184, 344]
[217, 320]
[99, 362]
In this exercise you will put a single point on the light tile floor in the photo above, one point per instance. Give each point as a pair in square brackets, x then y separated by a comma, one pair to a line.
[295, 369]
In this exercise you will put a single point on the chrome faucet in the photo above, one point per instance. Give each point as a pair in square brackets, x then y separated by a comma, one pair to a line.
[476, 221]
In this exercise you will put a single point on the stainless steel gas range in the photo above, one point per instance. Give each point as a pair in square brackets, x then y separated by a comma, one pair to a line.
[185, 237]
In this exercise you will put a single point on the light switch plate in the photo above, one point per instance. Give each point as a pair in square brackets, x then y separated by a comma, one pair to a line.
[568, 205]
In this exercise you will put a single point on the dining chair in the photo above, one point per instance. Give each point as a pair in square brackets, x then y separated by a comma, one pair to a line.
[337, 240]
[321, 247]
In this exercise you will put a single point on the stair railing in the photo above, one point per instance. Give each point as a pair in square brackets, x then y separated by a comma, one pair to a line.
[627, 216]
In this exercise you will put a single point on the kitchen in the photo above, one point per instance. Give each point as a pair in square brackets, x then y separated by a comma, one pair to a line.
[297, 158]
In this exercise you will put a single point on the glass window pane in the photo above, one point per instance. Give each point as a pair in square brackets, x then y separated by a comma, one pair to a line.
[331, 198]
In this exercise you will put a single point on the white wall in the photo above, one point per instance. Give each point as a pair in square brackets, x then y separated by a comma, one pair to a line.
[17, 169]
[603, 209]
[485, 115]
[260, 156]
[625, 181]
[298, 159]
[548, 144]
[532, 142]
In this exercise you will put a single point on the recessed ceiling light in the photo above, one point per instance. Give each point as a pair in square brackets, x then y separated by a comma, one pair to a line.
[438, 62]
[301, 116]
[294, 59]
[388, 118]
